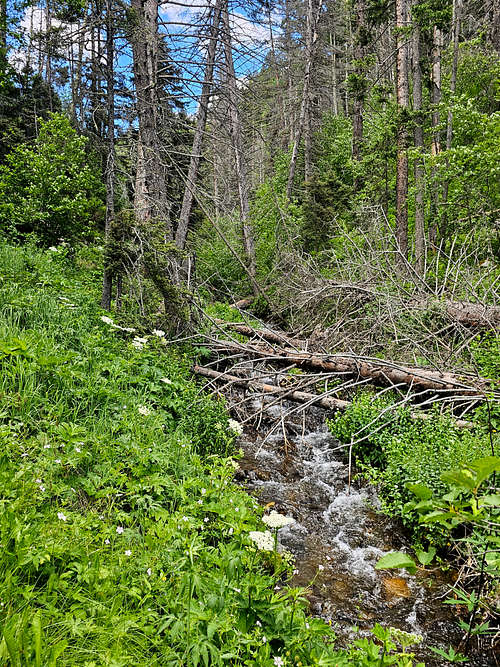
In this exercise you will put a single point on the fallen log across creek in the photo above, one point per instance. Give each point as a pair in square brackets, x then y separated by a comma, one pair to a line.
[327, 402]
[378, 371]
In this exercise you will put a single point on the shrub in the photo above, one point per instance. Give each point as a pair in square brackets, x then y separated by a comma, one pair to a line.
[51, 188]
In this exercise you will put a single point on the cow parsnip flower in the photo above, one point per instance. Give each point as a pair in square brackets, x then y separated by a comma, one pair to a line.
[277, 520]
[263, 540]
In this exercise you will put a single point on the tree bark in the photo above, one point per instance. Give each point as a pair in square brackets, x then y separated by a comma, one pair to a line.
[237, 142]
[201, 122]
[402, 94]
[437, 44]
[313, 12]
[358, 109]
[418, 135]
[107, 281]
[150, 180]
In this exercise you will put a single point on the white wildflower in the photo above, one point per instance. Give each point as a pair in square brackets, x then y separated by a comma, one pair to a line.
[258, 624]
[206, 519]
[143, 410]
[185, 518]
[264, 541]
[77, 449]
[149, 571]
[231, 531]
[277, 520]
[46, 446]
[106, 320]
[235, 426]
[128, 552]
[200, 502]
[120, 529]
[42, 488]
[61, 516]
[159, 333]
[107, 541]
[58, 461]
[278, 662]
[166, 381]
[53, 248]
[307, 626]
[128, 329]
[203, 491]
[264, 639]
[321, 568]
[139, 342]
[38, 481]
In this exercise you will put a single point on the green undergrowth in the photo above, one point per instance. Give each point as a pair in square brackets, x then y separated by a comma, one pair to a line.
[396, 450]
[124, 539]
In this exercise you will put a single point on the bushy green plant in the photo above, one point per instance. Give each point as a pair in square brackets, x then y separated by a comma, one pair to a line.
[51, 188]
[399, 450]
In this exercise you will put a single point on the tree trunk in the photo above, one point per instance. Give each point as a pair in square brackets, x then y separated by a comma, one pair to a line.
[402, 94]
[107, 282]
[357, 121]
[313, 12]
[150, 183]
[237, 142]
[437, 44]
[201, 122]
[418, 166]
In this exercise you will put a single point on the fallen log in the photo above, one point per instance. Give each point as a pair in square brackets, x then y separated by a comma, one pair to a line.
[378, 371]
[327, 402]
[264, 334]
[466, 313]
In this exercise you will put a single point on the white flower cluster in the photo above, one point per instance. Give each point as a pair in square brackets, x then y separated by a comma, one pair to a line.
[235, 426]
[277, 520]
[108, 320]
[139, 342]
[143, 410]
[159, 333]
[166, 381]
[264, 541]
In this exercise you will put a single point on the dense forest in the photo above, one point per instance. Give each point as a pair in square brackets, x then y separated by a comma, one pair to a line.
[236, 237]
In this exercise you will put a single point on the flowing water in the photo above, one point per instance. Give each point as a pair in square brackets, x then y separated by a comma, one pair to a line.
[339, 535]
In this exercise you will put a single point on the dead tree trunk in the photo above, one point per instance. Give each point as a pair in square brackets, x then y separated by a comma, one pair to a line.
[107, 281]
[201, 122]
[402, 94]
[418, 136]
[313, 12]
[237, 141]
[145, 65]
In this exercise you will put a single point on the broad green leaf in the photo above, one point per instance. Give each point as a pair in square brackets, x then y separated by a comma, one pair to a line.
[485, 467]
[492, 500]
[426, 557]
[396, 559]
[420, 490]
[462, 478]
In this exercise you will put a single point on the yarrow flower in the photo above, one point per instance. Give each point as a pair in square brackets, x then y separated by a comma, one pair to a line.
[277, 520]
[264, 541]
[235, 426]
[159, 333]
[120, 529]
[143, 410]
[61, 516]
[106, 320]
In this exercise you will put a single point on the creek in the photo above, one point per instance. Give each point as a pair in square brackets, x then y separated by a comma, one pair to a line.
[292, 463]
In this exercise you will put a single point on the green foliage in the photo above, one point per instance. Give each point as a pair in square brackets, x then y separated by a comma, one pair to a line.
[51, 188]
[406, 456]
